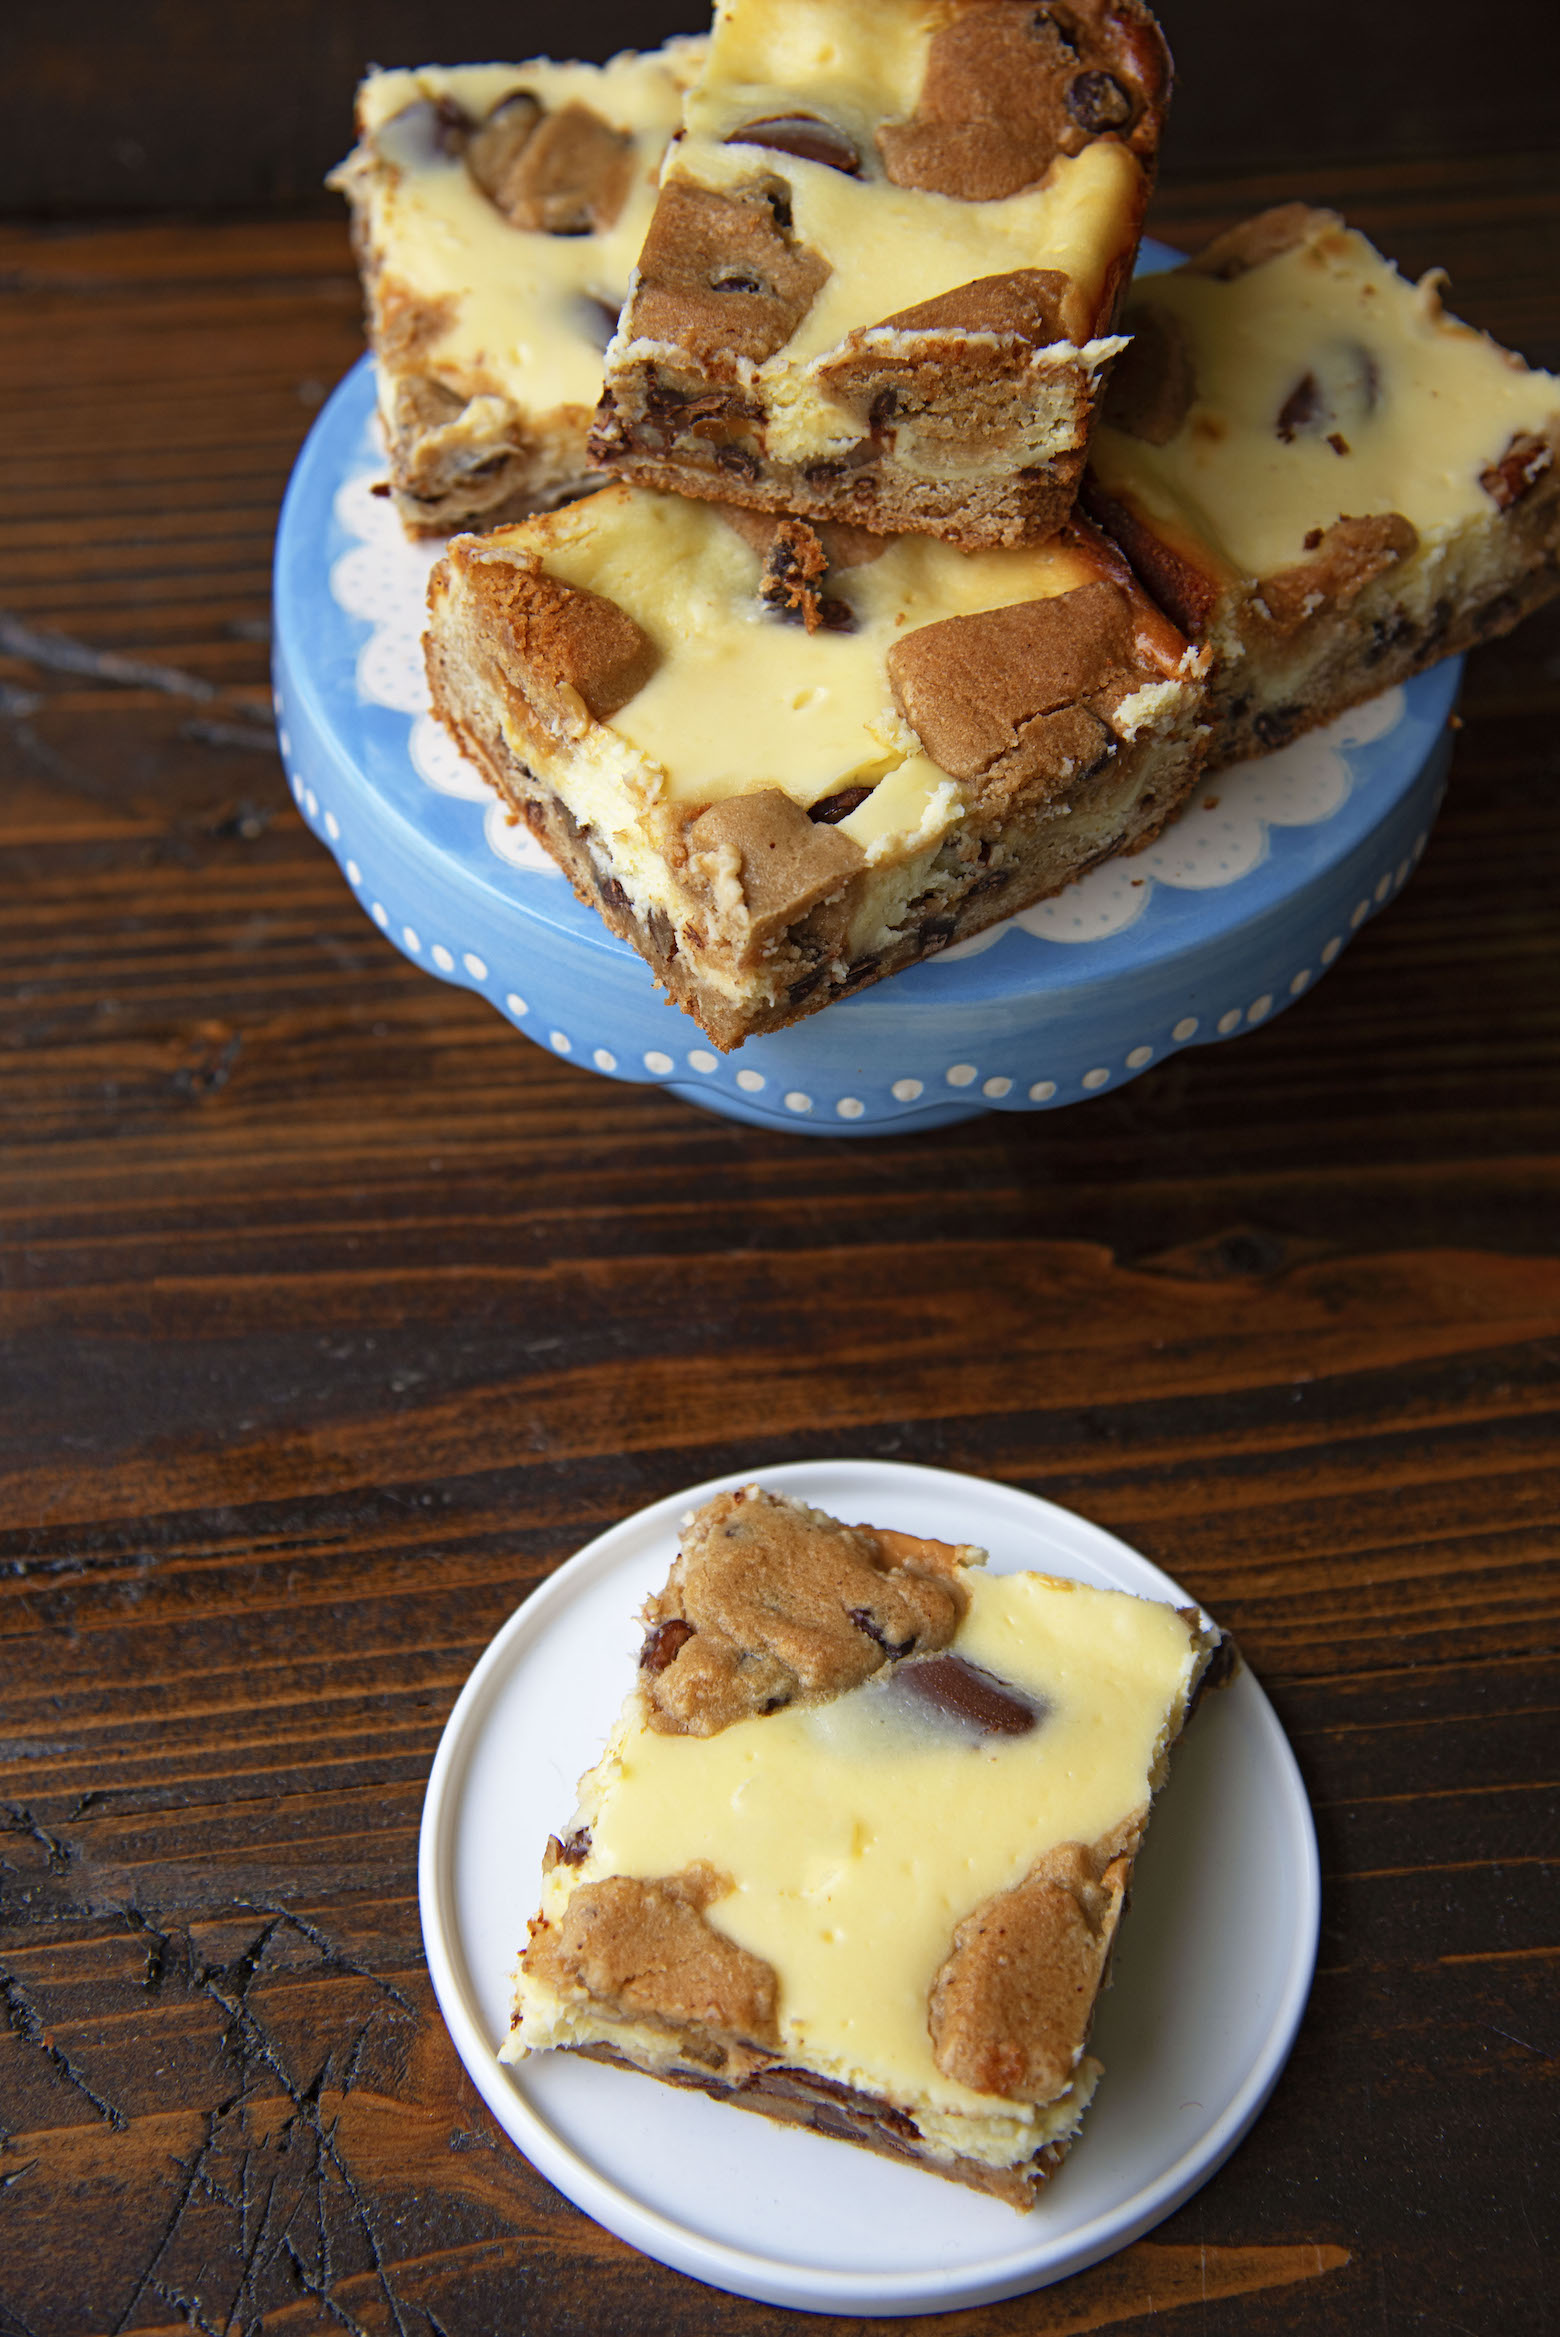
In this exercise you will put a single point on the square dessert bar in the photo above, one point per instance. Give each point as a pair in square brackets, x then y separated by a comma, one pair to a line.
[784, 761]
[857, 1851]
[497, 212]
[881, 280]
[1320, 474]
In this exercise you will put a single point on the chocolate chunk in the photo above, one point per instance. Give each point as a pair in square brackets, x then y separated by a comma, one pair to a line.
[1097, 103]
[494, 151]
[662, 1643]
[1344, 386]
[805, 136]
[1520, 468]
[428, 130]
[1301, 410]
[866, 1621]
[964, 1691]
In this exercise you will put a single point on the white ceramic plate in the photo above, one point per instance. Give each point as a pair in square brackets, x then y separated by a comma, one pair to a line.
[1211, 1975]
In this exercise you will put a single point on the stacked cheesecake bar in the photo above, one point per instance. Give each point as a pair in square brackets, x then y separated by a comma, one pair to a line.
[837, 671]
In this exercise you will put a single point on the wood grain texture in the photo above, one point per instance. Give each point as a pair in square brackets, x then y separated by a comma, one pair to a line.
[333, 1316]
[247, 104]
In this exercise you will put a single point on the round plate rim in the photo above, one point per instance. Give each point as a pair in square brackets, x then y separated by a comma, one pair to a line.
[660, 2236]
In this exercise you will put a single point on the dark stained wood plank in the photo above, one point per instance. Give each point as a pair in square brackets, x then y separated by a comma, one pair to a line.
[333, 1315]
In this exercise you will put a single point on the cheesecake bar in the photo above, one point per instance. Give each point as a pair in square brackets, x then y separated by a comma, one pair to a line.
[881, 280]
[497, 212]
[784, 761]
[857, 1851]
[1325, 479]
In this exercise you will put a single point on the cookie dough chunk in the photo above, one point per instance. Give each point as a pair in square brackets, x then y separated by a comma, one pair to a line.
[882, 277]
[873, 1885]
[1323, 477]
[784, 761]
[497, 212]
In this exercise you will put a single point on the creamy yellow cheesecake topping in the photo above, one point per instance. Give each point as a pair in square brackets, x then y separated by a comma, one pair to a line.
[1322, 385]
[741, 700]
[523, 313]
[859, 1833]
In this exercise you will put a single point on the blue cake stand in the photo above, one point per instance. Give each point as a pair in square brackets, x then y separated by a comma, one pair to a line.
[1240, 907]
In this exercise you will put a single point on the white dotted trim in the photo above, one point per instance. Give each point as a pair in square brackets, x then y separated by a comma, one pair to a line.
[907, 1090]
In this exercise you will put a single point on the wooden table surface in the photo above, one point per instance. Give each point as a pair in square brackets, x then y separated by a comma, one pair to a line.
[335, 1315]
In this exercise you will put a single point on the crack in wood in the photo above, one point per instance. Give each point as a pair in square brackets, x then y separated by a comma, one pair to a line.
[15, 1820]
[25, 2022]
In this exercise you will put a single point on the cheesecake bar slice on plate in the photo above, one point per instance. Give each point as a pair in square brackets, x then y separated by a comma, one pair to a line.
[785, 761]
[498, 211]
[1326, 479]
[881, 280]
[857, 1851]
